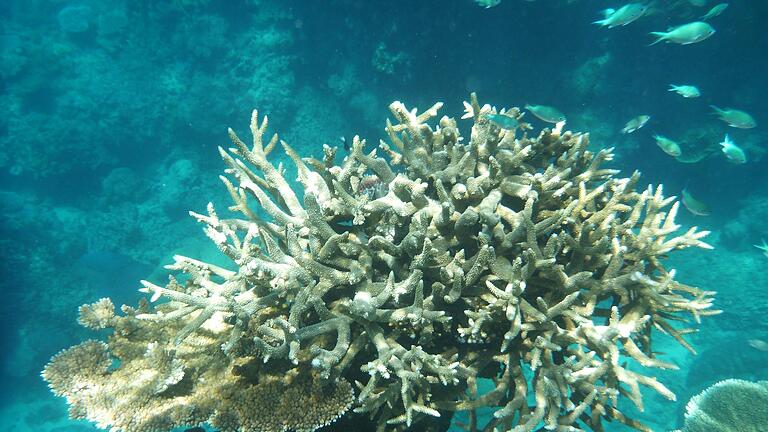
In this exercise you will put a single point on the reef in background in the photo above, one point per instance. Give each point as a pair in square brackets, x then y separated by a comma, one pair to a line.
[391, 286]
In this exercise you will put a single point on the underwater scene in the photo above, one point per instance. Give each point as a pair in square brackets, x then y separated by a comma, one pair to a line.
[347, 215]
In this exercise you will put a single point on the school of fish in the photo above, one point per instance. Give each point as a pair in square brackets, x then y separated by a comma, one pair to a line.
[685, 34]
[681, 34]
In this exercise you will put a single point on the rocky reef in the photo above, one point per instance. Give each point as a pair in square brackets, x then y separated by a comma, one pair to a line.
[384, 289]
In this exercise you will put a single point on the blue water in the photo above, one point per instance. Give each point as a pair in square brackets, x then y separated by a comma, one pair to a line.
[111, 112]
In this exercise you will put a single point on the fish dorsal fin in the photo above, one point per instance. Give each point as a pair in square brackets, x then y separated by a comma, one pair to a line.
[608, 12]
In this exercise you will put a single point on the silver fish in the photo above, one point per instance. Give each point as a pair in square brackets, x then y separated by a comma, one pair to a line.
[758, 344]
[685, 34]
[546, 113]
[503, 121]
[693, 205]
[622, 16]
[488, 3]
[686, 91]
[763, 247]
[635, 124]
[667, 145]
[735, 118]
[733, 152]
[715, 11]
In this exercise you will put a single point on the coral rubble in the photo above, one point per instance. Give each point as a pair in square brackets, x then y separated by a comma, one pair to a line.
[390, 285]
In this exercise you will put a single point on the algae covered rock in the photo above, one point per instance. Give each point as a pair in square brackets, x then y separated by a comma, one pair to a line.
[389, 281]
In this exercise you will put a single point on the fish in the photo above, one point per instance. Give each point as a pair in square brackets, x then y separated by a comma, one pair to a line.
[686, 91]
[345, 143]
[692, 158]
[758, 344]
[667, 145]
[488, 3]
[503, 121]
[763, 247]
[735, 118]
[635, 124]
[685, 34]
[693, 205]
[733, 152]
[622, 16]
[546, 113]
[715, 11]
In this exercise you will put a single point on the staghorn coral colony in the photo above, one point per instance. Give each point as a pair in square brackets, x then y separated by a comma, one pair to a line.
[391, 285]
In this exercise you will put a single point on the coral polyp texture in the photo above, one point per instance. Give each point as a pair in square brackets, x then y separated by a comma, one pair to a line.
[387, 288]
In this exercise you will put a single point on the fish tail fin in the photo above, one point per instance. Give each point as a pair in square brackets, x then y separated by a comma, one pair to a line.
[717, 110]
[660, 35]
[602, 22]
[726, 143]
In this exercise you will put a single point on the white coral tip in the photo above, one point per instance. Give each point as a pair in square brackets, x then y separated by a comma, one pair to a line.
[468, 112]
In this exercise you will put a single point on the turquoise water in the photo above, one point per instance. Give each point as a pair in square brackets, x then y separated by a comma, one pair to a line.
[111, 112]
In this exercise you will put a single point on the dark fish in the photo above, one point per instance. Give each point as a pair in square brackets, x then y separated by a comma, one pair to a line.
[695, 155]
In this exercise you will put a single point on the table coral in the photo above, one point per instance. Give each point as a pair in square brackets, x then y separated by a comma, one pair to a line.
[392, 283]
[728, 406]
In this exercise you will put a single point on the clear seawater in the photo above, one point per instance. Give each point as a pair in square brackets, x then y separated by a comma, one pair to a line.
[111, 112]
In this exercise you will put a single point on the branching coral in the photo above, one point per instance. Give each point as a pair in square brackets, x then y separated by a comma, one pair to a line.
[412, 273]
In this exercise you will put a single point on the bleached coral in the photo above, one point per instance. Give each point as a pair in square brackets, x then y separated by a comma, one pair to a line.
[520, 260]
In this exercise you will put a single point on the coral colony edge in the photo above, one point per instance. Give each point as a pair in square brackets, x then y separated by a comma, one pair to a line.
[401, 279]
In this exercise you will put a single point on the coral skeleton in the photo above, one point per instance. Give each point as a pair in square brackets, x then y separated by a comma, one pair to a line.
[385, 289]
